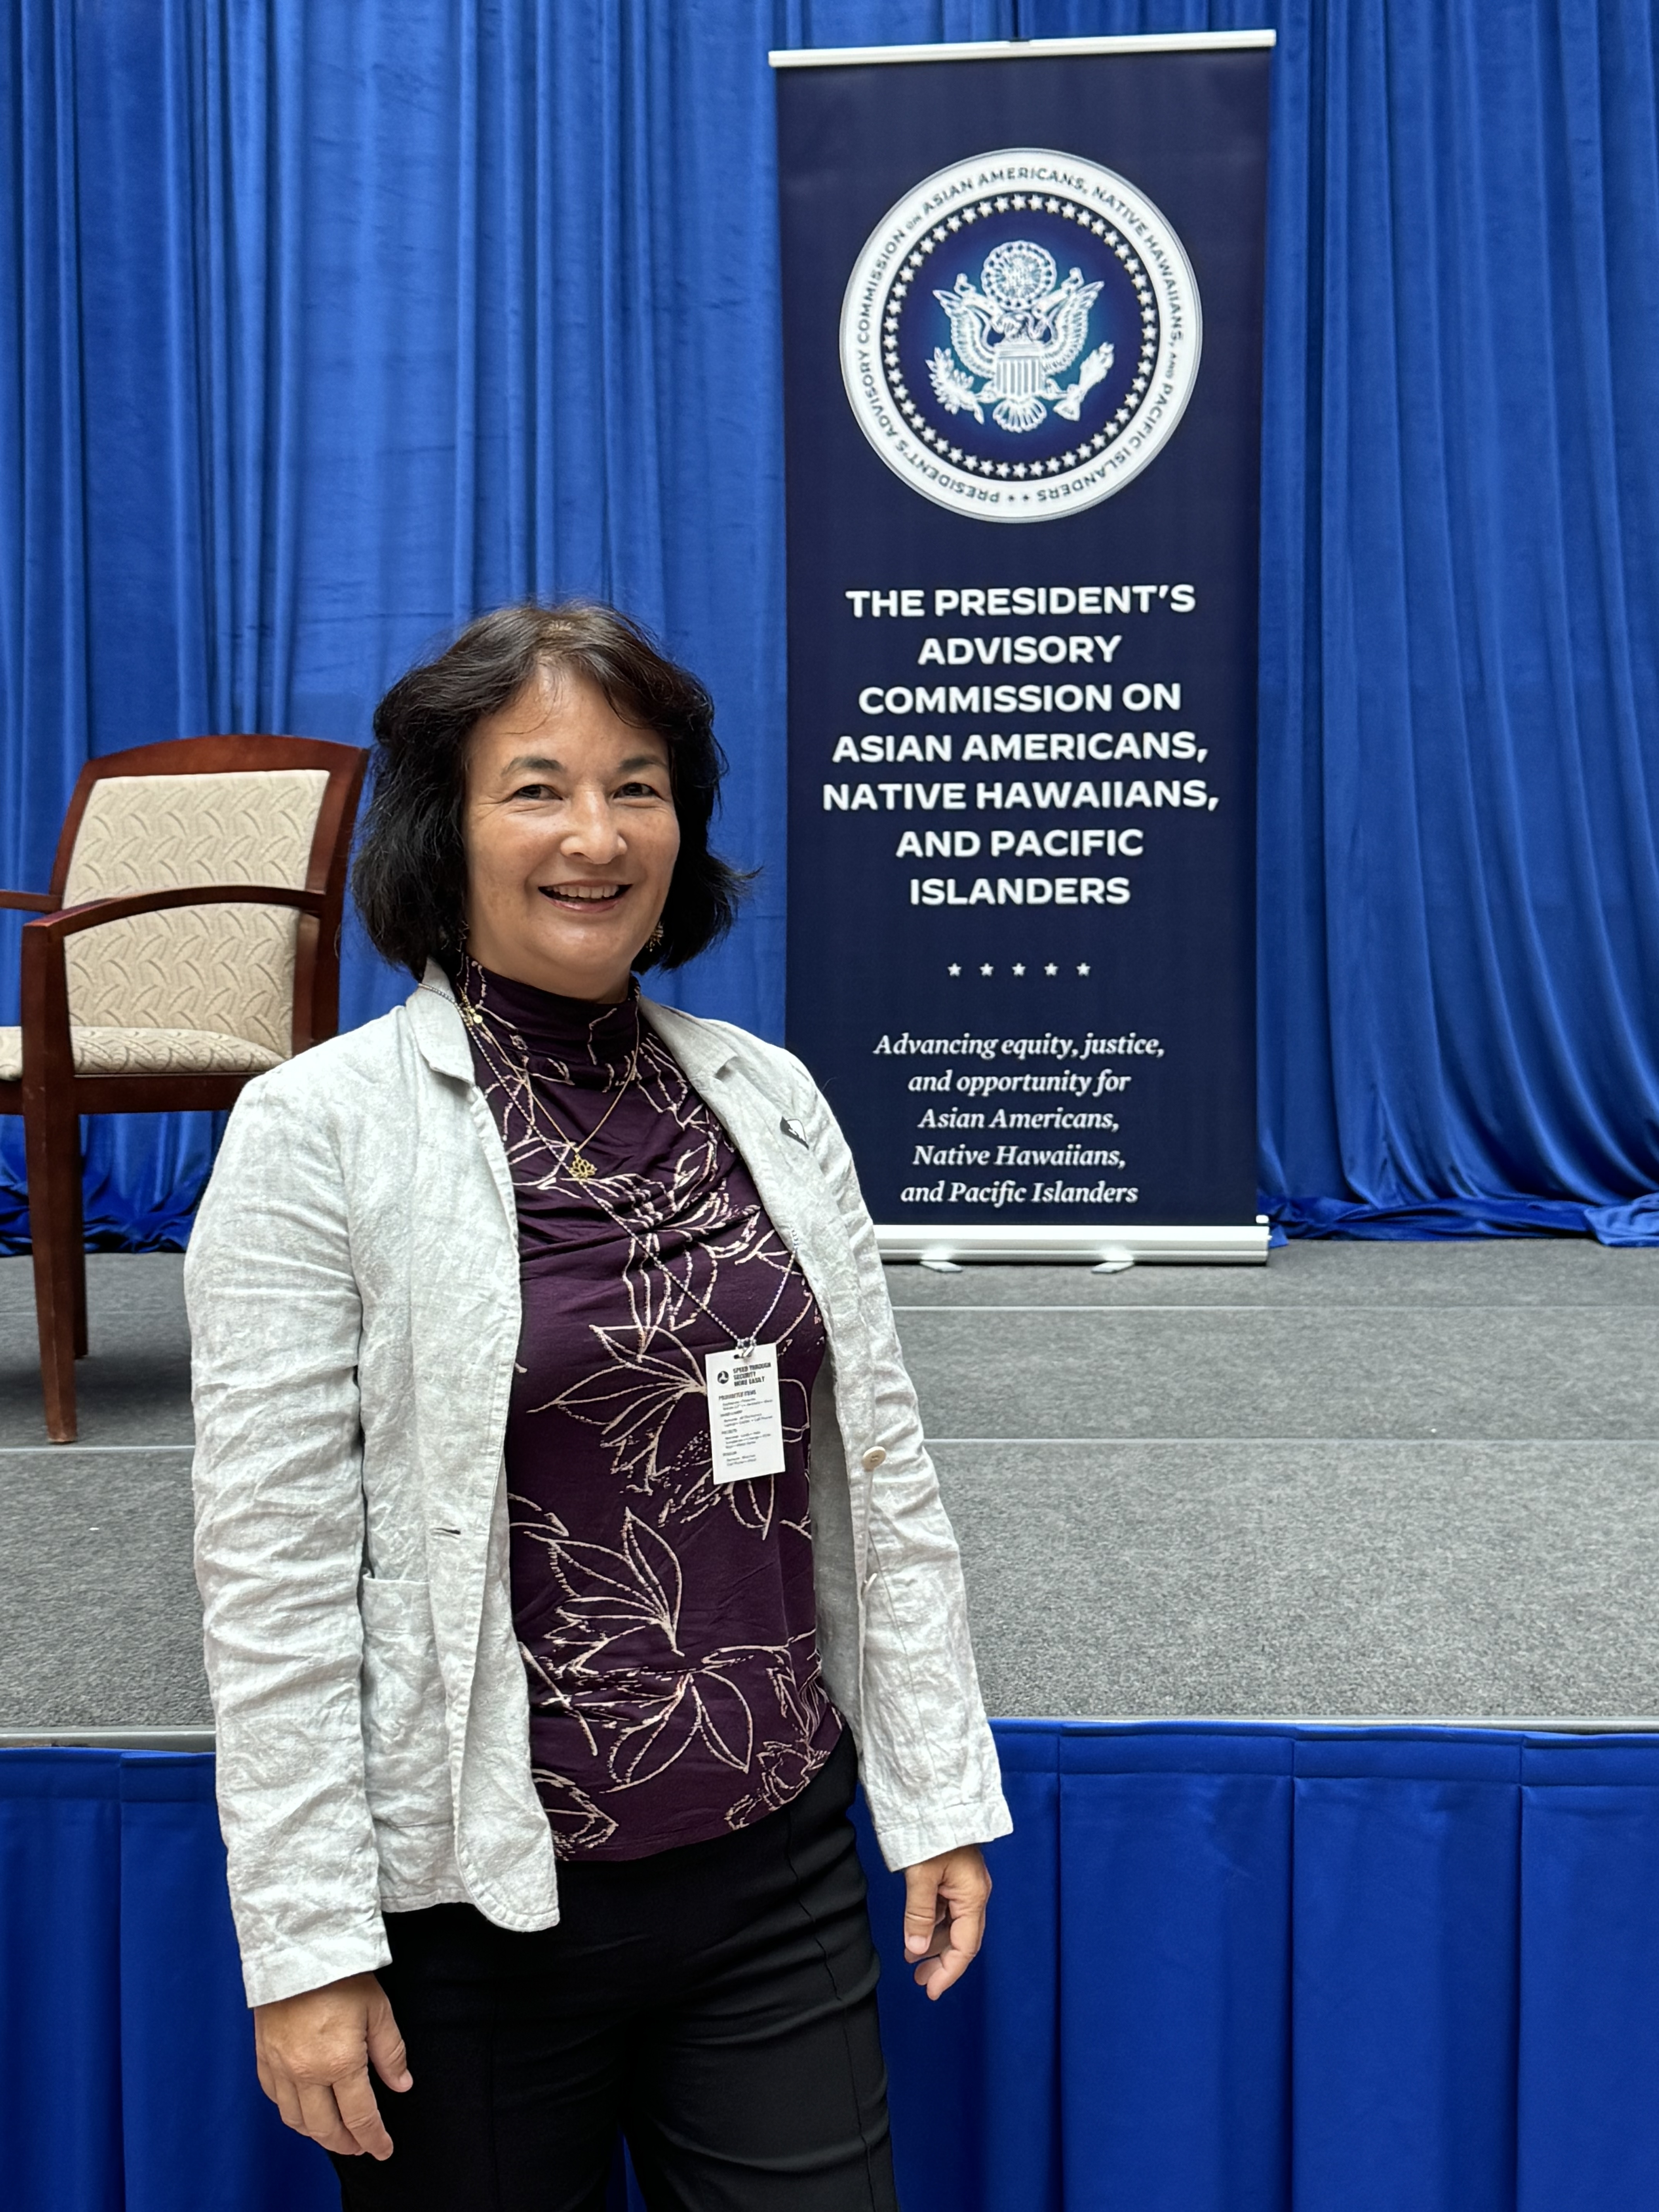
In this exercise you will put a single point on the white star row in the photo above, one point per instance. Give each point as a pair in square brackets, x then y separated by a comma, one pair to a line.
[940, 231]
[1017, 968]
[1035, 201]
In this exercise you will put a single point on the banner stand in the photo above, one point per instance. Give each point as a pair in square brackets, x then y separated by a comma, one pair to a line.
[1021, 348]
[1093, 1247]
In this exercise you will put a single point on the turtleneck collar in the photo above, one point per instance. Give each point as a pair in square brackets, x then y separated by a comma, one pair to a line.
[575, 1039]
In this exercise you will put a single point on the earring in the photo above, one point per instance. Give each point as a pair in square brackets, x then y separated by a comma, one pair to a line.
[653, 943]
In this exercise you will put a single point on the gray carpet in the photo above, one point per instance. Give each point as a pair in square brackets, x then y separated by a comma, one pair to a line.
[134, 1385]
[1409, 1479]
[1312, 1577]
[99, 1627]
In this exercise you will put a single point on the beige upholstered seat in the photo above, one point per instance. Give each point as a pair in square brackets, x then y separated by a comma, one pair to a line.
[196, 989]
[101, 1051]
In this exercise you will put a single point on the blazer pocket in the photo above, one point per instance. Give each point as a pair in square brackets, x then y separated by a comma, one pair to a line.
[405, 1741]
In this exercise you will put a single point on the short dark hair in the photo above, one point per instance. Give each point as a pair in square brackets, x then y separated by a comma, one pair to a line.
[409, 878]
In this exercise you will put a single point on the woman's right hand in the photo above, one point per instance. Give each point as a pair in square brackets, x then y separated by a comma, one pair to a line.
[314, 2052]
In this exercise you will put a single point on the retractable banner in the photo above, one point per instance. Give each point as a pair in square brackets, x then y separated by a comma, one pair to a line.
[1023, 290]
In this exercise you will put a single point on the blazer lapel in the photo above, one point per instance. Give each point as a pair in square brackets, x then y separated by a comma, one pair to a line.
[791, 1183]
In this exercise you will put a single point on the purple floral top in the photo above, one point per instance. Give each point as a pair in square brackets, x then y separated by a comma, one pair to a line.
[667, 1624]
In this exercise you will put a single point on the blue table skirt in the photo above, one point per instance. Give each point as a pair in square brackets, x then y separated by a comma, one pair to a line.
[1231, 1970]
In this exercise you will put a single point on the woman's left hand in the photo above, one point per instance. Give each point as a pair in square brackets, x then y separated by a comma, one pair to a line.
[945, 1901]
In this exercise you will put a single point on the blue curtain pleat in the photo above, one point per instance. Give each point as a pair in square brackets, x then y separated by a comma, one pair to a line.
[61, 2109]
[183, 2019]
[332, 326]
[1010, 2160]
[1405, 1928]
[1175, 2006]
[1588, 2136]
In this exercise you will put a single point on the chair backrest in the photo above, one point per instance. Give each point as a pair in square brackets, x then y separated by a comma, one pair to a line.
[219, 810]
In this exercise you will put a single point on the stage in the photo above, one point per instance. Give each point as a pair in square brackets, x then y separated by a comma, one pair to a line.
[1239, 1965]
[1367, 1480]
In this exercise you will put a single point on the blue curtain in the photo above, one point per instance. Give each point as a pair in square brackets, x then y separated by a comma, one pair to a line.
[330, 325]
[1244, 1969]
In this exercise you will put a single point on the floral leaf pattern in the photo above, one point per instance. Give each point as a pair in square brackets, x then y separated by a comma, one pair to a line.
[577, 1822]
[667, 1623]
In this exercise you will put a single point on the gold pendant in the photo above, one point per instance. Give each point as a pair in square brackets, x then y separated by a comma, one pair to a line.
[581, 1167]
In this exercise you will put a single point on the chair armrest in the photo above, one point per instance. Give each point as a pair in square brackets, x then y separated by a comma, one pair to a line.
[68, 920]
[48, 1054]
[30, 901]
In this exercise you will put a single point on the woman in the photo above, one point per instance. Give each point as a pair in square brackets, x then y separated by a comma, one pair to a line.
[562, 1498]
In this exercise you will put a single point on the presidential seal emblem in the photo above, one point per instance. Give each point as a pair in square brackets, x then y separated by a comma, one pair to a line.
[1020, 335]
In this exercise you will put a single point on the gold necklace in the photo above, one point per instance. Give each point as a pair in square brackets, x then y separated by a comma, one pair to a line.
[576, 1160]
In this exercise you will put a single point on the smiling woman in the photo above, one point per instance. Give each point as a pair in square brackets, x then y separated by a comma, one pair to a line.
[562, 1503]
[488, 728]
[571, 839]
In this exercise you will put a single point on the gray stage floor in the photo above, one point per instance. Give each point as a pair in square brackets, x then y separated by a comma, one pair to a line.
[1413, 1480]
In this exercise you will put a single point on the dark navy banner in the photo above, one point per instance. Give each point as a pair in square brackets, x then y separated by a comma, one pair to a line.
[1022, 347]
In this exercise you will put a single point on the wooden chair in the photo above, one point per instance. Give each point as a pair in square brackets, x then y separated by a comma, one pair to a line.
[190, 941]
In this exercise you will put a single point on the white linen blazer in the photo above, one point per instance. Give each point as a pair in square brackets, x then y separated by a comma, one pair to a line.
[353, 1286]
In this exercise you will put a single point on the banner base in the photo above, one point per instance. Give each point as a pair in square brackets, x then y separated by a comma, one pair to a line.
[974, 1246]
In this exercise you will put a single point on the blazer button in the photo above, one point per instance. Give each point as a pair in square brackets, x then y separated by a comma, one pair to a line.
[873, 1458]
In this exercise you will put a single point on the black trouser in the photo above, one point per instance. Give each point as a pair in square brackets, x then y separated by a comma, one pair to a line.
[716, 2004]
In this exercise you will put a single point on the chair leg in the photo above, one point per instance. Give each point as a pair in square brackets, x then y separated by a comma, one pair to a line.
[52, 1150]
[78, 1263]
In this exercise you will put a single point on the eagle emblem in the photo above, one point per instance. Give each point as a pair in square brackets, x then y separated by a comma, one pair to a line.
[1019, 331]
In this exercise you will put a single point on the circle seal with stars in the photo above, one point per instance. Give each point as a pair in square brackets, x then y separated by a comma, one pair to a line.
[1020, 335]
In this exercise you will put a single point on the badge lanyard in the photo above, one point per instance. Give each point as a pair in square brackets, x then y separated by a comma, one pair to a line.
[746, 1405]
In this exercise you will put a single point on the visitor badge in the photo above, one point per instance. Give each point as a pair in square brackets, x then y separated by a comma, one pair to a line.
[745, 1414]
